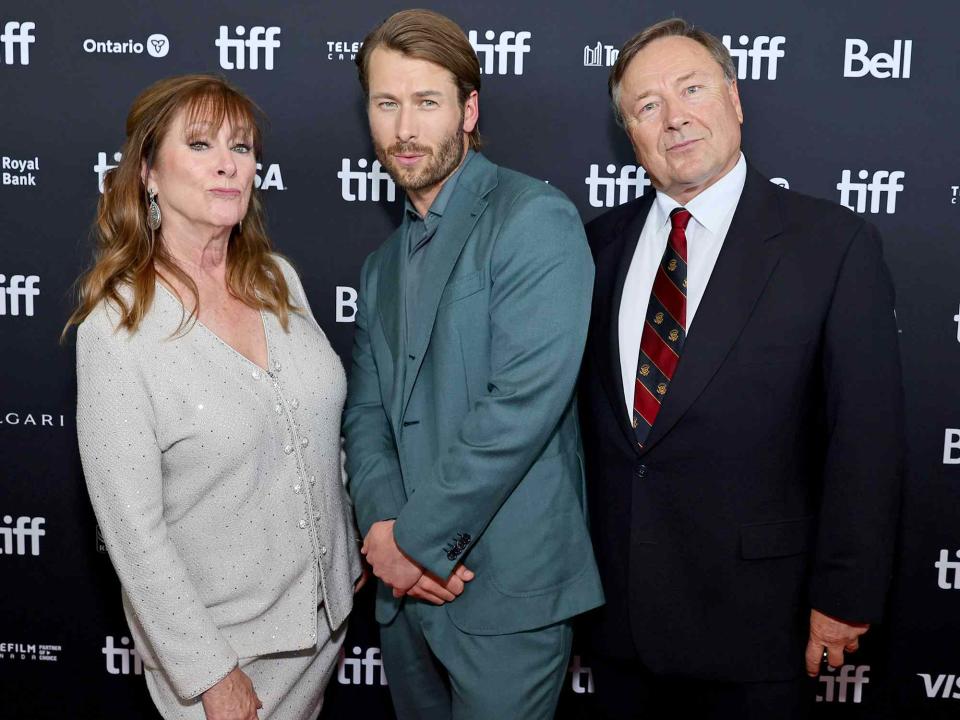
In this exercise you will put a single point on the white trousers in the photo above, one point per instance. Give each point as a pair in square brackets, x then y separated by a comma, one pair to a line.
[290, 684]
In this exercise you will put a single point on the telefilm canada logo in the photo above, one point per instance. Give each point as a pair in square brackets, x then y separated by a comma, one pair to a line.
[269, 179]
[501, 53]
[343, 49]
[29, 652]
[874, 191]
[156, 45]
[600, 55]
[753, 56]
[19, 172]
[618, 186]
[16, 38]
[247, 48]
[17, 293]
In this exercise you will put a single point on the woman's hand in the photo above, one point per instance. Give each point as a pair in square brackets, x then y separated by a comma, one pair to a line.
[232, 698]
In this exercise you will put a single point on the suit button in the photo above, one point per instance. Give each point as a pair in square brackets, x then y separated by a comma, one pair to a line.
[642, 471]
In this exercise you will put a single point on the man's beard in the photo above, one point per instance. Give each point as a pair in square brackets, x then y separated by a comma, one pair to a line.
[439, 165]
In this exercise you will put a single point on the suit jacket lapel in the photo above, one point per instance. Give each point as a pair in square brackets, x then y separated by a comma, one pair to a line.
[739, 277]
[391, 306]
[615, 260]
[459, 218]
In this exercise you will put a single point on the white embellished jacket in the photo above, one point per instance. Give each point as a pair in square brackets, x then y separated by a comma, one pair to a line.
[218, 485]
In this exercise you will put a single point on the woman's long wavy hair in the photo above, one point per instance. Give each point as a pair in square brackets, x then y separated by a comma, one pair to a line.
[129, 254]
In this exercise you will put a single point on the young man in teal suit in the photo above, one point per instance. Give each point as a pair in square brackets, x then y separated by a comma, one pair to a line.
[463, 448]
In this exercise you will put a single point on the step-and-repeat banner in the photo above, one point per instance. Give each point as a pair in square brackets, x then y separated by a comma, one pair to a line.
[848, 101]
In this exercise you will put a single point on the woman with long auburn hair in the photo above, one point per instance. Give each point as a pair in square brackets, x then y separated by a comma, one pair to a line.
[208, 418]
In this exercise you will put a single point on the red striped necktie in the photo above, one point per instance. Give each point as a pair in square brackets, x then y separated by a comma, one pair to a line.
[664, 329]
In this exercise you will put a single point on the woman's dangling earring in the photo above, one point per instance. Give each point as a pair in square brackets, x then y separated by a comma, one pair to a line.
[240, 229]
[153, 210]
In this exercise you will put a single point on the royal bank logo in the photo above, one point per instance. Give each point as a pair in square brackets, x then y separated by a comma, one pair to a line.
[501, 54]
[361, 185]
[123, 660]
[21, 536]
[843, 684]
[17, 293]
[269, 179]
[19, 172]
[857, 62]
[941, 686]
[954, 194]
[751, 56]
[363, 667]
[873, 192]
[948, 571]
[157, 45]
[343, 49]
[30, 652]
[600, 55]
[30, 419]
[781, 182]
[16, 39]
[618, 186]
[581, 678]
[245, 51]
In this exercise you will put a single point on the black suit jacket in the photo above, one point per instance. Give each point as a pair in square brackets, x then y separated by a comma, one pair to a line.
[769, 483]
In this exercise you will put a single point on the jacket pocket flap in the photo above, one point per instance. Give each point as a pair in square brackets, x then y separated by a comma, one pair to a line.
[780, 538]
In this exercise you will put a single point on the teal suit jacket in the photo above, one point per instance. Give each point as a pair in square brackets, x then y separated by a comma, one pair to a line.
[466, 431]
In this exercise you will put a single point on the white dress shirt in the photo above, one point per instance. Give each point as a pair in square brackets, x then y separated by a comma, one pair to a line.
[711, 212]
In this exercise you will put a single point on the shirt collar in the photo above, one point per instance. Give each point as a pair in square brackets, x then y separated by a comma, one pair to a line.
[443, 197]
[714, 205]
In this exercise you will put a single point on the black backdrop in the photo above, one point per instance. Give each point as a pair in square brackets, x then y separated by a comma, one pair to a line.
[854, 102]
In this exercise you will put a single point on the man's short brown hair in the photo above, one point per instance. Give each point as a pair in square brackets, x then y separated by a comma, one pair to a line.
[674, 27]
[430, 36]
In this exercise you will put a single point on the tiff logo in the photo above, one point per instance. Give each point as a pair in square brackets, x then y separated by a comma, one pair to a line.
[856, 62]
[370, 663]
[19, 286]
[102, 166]
[354, 183]
[509, 44]
[26, 528]
[626, 186]
[232, 55]
[884, 183]
[947, 567]
[129, 658]
[600, 55]
[17, 35]
[943, 686]
[581, 678]
[836, 685]
[764, 47]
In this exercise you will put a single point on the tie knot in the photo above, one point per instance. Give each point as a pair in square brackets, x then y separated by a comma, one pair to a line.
[679, 218]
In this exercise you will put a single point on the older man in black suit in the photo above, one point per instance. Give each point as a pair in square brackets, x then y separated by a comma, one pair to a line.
[741, 406]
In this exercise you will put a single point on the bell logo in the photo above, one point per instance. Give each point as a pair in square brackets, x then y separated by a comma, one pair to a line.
[885, 183]
[951, 437]
[838, 682]
[13, 538]
[128, 657]
[355, 183]
[617, 188]
[510, 44]
[581, 677]
[18, 286]
[857, 63]
[17, 35]
[944, 686]
[764, 47]
[349, 669]
[346, 304]
[243, 54]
